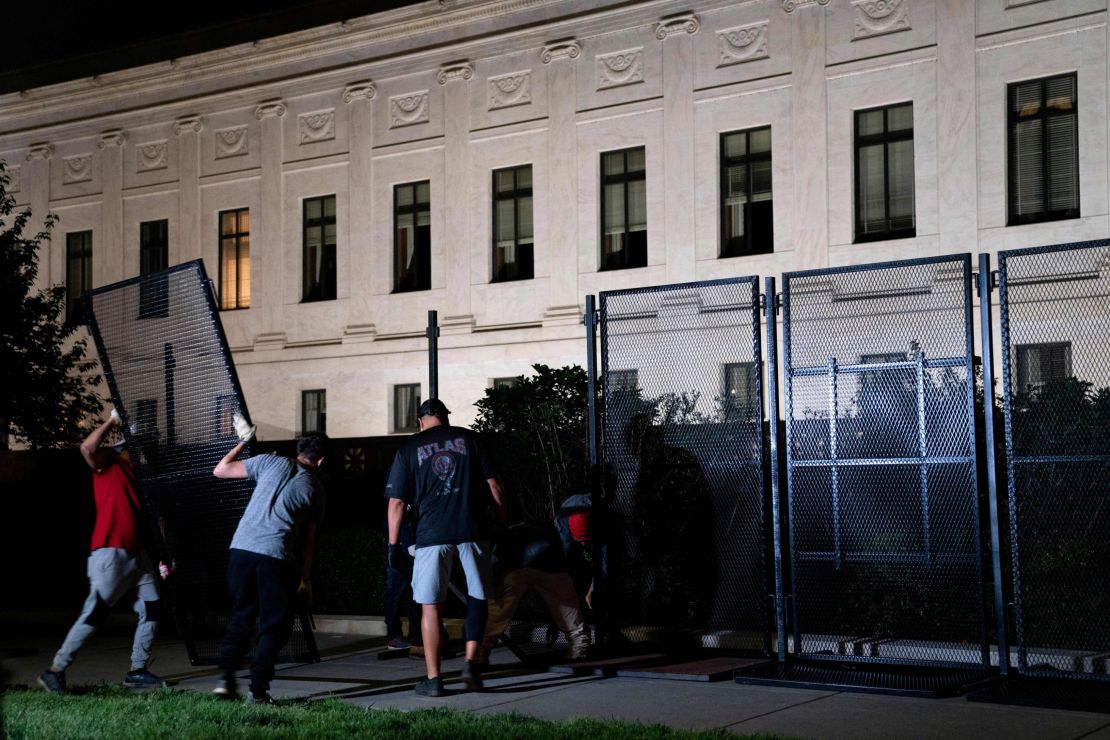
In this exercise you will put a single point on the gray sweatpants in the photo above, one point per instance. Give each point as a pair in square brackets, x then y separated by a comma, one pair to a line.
[113, 574]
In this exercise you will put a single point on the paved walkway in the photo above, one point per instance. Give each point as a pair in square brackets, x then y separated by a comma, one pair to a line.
[353, 671]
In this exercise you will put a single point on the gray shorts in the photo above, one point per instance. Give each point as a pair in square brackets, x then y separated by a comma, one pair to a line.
[432, 571]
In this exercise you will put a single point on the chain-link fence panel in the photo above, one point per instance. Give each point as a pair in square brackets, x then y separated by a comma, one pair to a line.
[172, 378]
[1055, 325]
[683, 447]
[881, 475]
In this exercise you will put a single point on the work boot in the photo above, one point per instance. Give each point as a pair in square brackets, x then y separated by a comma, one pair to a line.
[472, 676]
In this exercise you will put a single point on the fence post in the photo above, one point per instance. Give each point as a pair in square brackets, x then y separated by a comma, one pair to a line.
[770, 311]
[986, 347]
[432, 332]
[590, 320]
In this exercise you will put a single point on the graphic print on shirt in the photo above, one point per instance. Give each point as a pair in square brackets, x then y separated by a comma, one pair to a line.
[443, 461]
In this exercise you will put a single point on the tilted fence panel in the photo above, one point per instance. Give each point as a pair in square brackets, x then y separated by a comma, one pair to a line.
[881, 474]
[1055, 338]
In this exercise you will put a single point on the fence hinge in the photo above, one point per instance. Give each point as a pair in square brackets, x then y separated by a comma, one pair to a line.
[763, 304]
[994, 279]
[778, 302]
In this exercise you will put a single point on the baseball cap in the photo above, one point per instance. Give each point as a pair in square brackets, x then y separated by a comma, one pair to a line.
[433, 407]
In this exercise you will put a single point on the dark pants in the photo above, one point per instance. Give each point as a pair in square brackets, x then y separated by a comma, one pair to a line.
[262, 588]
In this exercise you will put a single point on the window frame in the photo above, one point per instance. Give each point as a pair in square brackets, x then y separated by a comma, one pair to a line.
[747, 160]
[745, 411]
[398, 426]
[325, 290]
[1022, 367]
[83, 256]
[415, 209]
[1012, 119]
[153, 294]
[515, 196]
[886, 138]
[238, 237]
[321, 420]
[625, 179]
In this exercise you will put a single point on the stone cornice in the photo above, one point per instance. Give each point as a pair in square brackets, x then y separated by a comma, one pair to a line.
[562, 49]
[269, 108]
[111, 138]
[674, 24]
[359, 91]
[791, 5]
[40, 151]
[188, 125]
[455, 71]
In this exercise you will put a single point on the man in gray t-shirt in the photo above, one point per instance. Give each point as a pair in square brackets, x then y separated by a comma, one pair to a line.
[273, 544]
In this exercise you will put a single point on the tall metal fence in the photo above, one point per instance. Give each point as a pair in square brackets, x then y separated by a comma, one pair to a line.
[683, 444]
[881, 470]
[1055, 337]
[171, 377]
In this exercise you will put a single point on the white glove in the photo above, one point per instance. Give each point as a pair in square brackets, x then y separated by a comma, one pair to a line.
[244, 429]
[116, 418]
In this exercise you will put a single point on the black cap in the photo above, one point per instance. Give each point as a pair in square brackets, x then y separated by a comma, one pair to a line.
[433, 407]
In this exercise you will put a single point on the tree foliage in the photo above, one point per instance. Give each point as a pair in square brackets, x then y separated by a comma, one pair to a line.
[47, 379]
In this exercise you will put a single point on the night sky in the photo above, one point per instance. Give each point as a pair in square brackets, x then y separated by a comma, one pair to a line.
[50, 41]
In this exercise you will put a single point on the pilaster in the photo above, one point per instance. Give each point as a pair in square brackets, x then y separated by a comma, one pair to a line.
[809, 116]
[458, 318]
[359, 96]
[266, 230]
[188, 242]
[110, 255]
[675, 33]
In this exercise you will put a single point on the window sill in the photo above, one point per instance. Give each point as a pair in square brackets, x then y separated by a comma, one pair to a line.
[1040, 219]
[495, 281]
[617, 268]
[885, 236]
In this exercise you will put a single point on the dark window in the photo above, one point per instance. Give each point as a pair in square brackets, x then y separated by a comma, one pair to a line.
[146, 418]
[1041, 364]
[746, 223]
[226, 407]
[235, 259]
[154, 256]
[406, 402]
[314, 411]
[512, 224]
[1043, 150]
[319, 248]
[78, 272]
[738, 390]
[624, 380]
[884, 173]
[623, 209]
[412, 240]
[506, 382]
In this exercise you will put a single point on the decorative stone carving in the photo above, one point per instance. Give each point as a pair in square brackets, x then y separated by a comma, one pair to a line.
[231, 141]
[742, 44]
[77, 168]
[456, 71]
[409, 109]
[269, 108]
[672, 24]
[188, 125]
[317, 126]
[515, 88]
[13, 179]
[359, 91]
[562, 49]
[111, 138]
[40, 151]
[791, 5]
[880, 17]
[620, 68]
[151, 156]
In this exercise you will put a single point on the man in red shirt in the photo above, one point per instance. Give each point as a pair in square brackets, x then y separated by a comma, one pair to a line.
[117, 567]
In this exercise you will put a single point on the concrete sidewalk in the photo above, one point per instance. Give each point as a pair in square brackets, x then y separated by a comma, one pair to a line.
[353, 671]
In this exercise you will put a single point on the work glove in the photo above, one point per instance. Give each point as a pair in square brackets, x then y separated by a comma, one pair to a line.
[166, 569]
[243, 428]
[304, 592]
[400, 560]
[116, 418]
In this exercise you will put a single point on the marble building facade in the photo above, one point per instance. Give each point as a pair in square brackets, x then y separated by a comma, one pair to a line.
[448, 92]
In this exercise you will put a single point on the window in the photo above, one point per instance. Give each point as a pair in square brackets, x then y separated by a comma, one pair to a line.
[412, 240]
[623, 209]
[406, 402]
[154, 256]
[314, 411]
[506, 382]
[512, 224]
[1041, 364]
[1043, 150]
[146, 418]
[887, 380]
[746, 226]
[738, 390]
[226, 408]
[884, 173]
[78, 272]
[235, 259]
[319, 249]
[623, 380]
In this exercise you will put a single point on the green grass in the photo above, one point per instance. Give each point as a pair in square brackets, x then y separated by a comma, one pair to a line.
[114, 712]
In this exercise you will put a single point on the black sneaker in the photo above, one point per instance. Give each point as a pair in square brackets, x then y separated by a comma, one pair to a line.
[398, 643]
[142, 679]
[226, 689]
[264, 700]
[53, 681]
[472, 676]
[430, 687]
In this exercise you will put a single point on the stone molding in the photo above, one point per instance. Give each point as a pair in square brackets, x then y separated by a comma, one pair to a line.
[620, 68]
[13, 179]
[561, 49]
[675, 24]
[269, 109]
[151, 156]
[77, 168]
[791, 5]
[40, 151]
[359, 91]
[231, 141]
[111, 138]
[455, 71]
[316, 126]
[508, 90]
[880, 17]
[742, 44]
[187, 125]
[408, 109]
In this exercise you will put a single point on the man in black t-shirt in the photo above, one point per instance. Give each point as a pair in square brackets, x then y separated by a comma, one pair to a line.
[444, 475]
